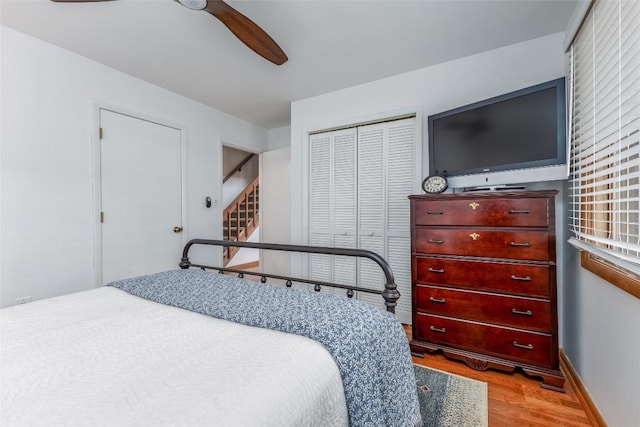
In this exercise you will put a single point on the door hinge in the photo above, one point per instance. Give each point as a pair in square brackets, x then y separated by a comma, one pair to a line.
[100, 133]
[101, 217]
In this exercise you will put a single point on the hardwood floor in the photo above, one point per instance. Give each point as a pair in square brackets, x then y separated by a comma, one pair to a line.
[516, 399]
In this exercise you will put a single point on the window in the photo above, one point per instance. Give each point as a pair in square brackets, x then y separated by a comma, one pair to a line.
[605, 139]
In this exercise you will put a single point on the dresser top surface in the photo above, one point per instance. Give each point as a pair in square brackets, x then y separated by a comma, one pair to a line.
[484, 195]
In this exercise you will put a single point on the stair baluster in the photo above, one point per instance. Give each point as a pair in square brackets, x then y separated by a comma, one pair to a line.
[241, 218]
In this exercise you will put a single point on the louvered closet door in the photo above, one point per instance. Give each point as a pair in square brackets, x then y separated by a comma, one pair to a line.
[360, 179]
[400, 164]
[386, 174]
[333, 205]
[371, 212]
[344, 205]
[320, 204]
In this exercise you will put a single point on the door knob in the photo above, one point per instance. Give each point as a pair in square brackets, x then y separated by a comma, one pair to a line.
[177, 229]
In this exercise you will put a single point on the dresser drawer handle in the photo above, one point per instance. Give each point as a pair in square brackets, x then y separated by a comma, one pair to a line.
[443, 330]
[438, 300]
[526, 347]
[515, 211]
[435, 241]
[522, 313]
[523, 279]
[436, 270]
[524, 245]
[435, 213]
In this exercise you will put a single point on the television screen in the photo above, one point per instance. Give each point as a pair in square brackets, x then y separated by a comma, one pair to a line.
[521, 129]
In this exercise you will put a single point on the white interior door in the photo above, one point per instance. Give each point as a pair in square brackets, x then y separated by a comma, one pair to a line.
[141, 196]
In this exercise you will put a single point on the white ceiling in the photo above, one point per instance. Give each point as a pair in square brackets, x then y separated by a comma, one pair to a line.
[330, 44]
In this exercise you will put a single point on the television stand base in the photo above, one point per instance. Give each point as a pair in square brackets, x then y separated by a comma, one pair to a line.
[494, 188]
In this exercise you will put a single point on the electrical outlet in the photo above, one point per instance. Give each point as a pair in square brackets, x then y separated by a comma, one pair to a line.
[23, 300]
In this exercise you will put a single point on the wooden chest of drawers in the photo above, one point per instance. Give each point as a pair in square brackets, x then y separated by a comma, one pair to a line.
[484, 280]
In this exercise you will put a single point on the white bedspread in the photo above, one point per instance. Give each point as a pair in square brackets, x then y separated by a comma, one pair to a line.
[107, 358]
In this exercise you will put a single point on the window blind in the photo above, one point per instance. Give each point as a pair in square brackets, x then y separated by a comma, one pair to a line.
[605, 130]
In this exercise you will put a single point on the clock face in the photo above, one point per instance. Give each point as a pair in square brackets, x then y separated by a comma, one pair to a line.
[434, 184]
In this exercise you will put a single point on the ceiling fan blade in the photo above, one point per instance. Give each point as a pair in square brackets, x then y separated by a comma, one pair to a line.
[247, 31]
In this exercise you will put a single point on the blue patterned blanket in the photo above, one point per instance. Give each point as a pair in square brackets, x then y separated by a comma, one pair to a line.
[369, 345]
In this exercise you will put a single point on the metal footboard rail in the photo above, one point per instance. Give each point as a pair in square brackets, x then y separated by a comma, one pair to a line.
[389, 293]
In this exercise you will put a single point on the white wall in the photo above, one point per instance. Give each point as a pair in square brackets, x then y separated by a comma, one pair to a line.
[47, 215]
[425, 91]
[602, 341]
[279, 138]
[599, 323]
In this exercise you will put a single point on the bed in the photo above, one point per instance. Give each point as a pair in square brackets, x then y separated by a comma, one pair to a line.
[194, 347]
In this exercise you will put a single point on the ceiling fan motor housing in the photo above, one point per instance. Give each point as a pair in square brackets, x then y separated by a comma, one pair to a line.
[193, 4]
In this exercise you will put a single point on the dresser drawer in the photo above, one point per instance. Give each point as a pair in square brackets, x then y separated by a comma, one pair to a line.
[518, 312]
[533, 348]
[489, 212]
[512, 278]
[510, 244]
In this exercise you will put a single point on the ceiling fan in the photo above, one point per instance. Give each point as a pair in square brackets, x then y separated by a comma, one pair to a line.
[242, 27]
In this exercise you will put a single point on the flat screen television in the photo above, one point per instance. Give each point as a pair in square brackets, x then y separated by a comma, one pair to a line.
[512, 132]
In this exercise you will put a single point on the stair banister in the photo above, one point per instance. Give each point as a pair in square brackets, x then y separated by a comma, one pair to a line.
[239, 210]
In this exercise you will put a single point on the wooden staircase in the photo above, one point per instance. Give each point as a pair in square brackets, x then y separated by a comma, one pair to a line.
[241, 218]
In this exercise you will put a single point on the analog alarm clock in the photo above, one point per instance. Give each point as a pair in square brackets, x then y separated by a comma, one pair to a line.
[434, 184]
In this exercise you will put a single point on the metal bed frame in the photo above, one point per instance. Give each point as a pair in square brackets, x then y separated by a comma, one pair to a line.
[389, 293]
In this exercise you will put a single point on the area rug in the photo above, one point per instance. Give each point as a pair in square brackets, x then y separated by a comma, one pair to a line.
[448, 400]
